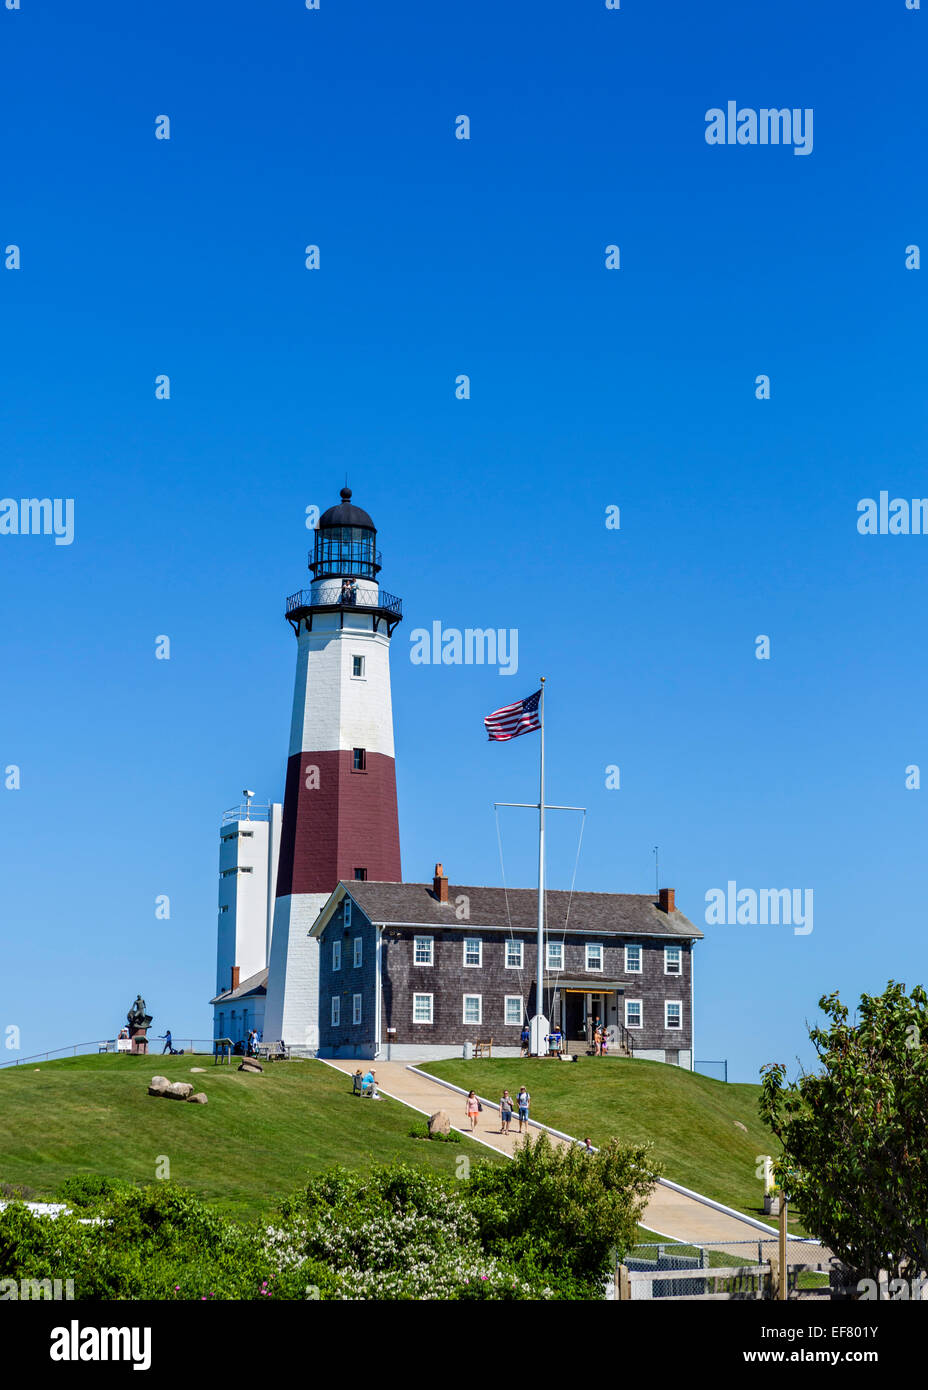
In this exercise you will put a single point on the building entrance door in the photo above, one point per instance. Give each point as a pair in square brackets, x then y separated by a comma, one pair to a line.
[574, 1027]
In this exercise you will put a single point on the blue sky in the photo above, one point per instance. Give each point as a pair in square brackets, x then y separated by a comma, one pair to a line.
[590, 388]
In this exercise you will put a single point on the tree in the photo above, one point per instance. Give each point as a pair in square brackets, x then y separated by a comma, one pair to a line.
[562, 1212]
[855, 1134]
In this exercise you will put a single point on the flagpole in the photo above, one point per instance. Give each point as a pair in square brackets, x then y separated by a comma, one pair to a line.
[539, 982]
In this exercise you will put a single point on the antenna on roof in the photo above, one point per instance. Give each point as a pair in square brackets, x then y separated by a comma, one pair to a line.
[657, 870]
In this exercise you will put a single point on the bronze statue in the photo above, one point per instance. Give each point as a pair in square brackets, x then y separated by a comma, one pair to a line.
[137, 1016]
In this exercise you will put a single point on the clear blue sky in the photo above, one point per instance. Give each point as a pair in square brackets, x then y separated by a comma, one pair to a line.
[589, 388]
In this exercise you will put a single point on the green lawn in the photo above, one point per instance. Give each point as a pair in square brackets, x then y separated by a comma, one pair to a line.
[256, 1140]
[690, 1119]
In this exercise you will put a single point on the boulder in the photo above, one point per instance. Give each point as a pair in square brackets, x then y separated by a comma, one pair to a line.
[159, 1084]
[198, 1069]
[439, 1123]
[198, 1099]
[178, 1090]
[249, 1065]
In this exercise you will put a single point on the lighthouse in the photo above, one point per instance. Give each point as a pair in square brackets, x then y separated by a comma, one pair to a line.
[339, 812]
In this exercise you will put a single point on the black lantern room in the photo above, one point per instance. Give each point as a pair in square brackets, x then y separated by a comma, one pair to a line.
[346, 543]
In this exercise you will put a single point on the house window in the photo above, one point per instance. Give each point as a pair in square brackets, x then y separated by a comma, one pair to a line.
[358, 949]
[673, 960]
[514, 951]
[336, 955]
[336, 1010]
[360, 875]
[422, 1008]
[473, 1008]
[357, 665]
[423, 950]
[359, 759]
[356, 1008]
[633, 1013]
[594, 955]
[672, 1015]
[633, 960]
[555, 955]
[347, 912]
[473, 951]
[514, 1009]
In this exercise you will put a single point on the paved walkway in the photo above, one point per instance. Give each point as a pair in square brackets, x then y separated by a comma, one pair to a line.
[668, 1213]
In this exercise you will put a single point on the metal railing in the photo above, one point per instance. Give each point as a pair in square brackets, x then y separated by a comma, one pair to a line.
[108, 1045]
[248, 810]
[332, 596]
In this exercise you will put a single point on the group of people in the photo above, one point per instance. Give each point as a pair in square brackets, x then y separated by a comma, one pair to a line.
[349, 591]
[599, 1039]
[507, 1106]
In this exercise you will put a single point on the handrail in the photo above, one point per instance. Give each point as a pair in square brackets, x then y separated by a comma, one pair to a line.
[369, 600]
[72, 1049]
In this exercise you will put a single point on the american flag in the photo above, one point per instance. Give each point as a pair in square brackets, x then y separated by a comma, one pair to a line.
[513, 720]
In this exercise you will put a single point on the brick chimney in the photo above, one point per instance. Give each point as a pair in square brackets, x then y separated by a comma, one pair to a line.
[235, 974]
[666, 899]
[440, 884]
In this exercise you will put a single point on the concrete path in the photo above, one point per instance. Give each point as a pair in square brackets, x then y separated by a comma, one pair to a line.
[669, 1213]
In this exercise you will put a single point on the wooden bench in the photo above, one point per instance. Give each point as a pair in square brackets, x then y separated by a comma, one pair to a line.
[484, 1049]
[222, 1050]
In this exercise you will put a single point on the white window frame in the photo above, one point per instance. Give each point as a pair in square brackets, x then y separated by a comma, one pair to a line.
[431, 998]
[473, 964]
[559, 963]
[679, 969]
[511, 944]
[336, 955]
[668, 1005]
[431, 944]
[632, 969]
[356, 1009]
[358, 675]
[512, 999]
[472, 1022]
[640, 1023]
[347, 911]
[594, 946]
[336, 1013]
[358, 955]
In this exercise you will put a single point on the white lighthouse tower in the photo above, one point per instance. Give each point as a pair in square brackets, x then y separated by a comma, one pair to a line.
[340, 816]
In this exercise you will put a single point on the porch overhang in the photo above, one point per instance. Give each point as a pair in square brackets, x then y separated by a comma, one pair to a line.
[584, 986]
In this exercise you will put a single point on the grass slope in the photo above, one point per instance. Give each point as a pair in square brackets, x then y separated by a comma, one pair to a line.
[255, 1141]
[690, 1119]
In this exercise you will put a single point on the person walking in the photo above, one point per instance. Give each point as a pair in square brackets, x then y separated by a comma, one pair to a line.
[505, 1112]
[523, 1101]
[168, 1042]
[472, 1108]
[526, 1039]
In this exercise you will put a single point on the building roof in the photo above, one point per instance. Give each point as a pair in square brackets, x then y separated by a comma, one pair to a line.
[345, 513]
[415, 904]
[255, 984]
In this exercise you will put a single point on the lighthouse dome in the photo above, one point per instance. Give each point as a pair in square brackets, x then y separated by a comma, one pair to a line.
[345, 513]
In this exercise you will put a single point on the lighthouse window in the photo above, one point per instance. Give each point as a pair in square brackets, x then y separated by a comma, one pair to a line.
[359, 759]
[357, 665]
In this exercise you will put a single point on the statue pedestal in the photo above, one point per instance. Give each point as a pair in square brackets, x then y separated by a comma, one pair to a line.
[138, 1039]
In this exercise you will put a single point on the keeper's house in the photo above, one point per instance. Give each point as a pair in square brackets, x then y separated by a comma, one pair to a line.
[419, 970]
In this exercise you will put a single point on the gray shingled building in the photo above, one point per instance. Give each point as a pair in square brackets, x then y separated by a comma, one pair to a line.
[415, 970]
